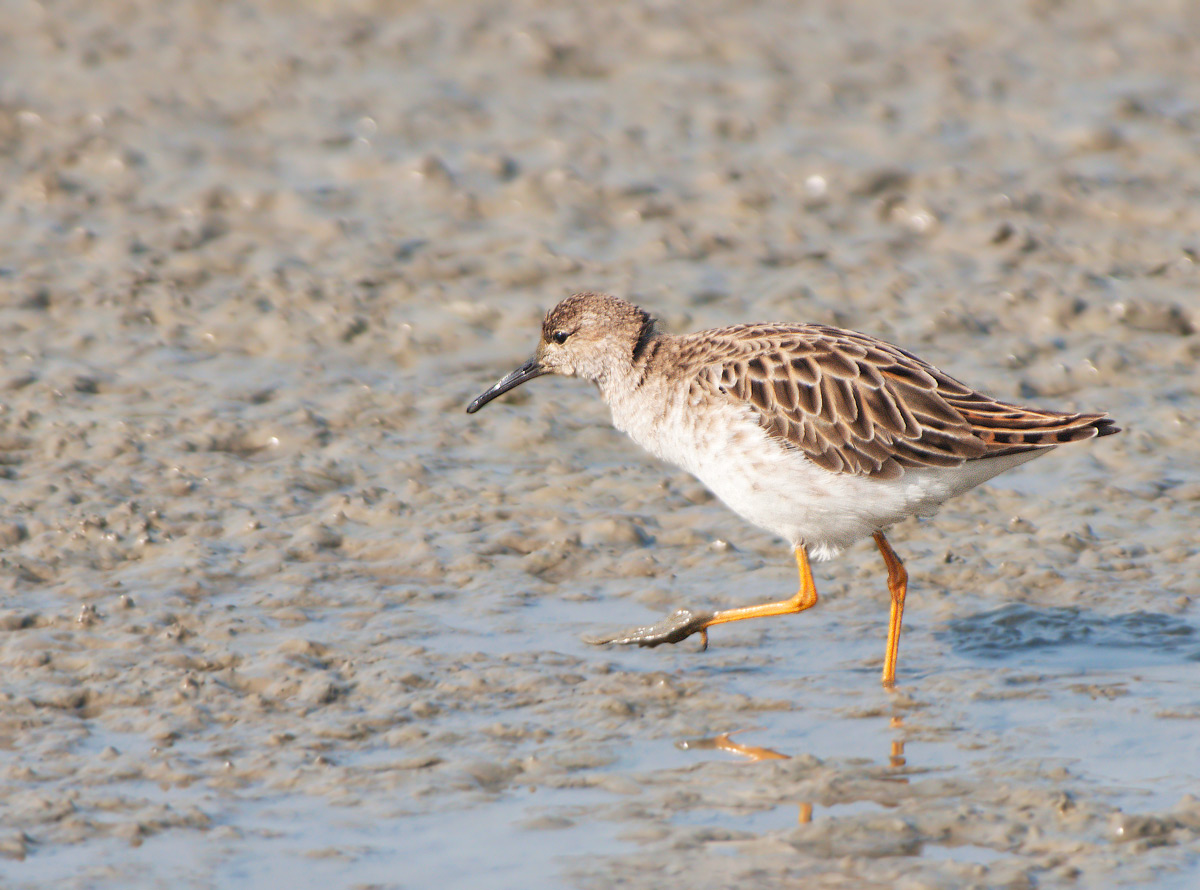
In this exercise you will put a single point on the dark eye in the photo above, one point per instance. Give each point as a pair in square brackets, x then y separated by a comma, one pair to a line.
[559, 337]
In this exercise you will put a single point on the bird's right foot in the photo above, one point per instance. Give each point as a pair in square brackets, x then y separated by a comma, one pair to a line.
[677, 626]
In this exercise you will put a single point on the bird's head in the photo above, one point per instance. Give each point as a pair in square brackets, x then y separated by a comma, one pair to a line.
[586, 335]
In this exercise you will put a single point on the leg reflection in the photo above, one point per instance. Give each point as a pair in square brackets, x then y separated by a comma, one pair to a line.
[897, 759]
[756, 754]
[723, 742]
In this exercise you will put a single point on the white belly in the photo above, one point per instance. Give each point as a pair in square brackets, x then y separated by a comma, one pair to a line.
[779, 489]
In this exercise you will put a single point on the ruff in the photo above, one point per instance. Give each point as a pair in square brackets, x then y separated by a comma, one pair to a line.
[820, 435]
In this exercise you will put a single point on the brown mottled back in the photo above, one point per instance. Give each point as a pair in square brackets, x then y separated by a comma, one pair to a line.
[854, 404]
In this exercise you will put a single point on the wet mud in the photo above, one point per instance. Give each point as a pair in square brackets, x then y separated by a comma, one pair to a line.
[275, 611]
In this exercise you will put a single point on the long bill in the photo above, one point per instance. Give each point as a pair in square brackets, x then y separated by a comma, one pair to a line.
[527, 371]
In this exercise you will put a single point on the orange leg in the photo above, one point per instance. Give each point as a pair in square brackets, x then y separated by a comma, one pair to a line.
[898, 587]
[682, 623]
[805, 598]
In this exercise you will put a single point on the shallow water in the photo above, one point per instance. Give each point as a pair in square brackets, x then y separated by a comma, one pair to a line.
[275, 610]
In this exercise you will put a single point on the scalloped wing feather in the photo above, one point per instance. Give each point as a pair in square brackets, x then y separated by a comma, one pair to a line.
[857, 405]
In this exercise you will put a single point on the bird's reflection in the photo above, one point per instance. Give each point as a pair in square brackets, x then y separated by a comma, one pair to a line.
[756, 754]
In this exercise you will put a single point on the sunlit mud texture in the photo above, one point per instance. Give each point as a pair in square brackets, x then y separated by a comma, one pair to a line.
[276, 613]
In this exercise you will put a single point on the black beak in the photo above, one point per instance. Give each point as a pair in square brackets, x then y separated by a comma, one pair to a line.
[527, 371]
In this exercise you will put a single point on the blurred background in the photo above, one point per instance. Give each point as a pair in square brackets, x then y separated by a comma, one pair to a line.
[275, 610]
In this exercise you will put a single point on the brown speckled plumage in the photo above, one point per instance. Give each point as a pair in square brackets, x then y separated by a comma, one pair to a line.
[855, 404]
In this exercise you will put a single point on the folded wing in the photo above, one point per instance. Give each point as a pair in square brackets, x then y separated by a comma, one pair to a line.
[854, 404]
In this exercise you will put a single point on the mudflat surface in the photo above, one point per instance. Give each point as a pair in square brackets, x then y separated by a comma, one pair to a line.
[275, 612]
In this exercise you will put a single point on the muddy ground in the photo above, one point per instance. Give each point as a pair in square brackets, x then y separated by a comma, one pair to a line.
[276, 612]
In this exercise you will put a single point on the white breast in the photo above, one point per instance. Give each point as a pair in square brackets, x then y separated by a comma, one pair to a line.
[777, 488]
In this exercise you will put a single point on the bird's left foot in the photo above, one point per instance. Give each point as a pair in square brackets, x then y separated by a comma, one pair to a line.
[677, 626]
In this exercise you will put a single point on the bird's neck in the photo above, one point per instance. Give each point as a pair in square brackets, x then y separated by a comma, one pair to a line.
[625, 378]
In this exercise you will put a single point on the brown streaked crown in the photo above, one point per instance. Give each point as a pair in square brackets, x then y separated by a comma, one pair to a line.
[593, 336]
[599, 312]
